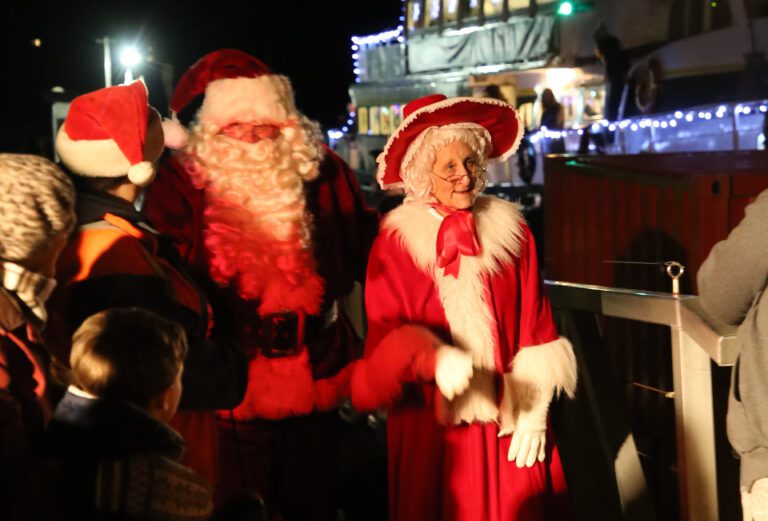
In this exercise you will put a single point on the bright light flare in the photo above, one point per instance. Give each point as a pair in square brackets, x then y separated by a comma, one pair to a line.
[130, 57]
[565, 9]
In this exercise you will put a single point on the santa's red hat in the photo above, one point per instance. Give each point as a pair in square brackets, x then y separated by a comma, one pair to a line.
[498, 118]
[237, 88]
[111, 132]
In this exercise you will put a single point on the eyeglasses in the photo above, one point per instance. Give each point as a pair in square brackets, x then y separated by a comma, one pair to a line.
[473, 172]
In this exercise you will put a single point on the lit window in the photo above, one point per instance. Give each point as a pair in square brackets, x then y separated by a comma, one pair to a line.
[434, 9]
[493, 7]
[416, 11]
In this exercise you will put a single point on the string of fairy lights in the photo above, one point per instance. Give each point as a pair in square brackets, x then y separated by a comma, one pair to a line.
[372, 40]
[359, 43]
[661, 121]
[666, 121]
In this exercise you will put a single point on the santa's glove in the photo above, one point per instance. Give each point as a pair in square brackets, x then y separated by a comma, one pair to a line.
[453, 371]
[406, 354]
[538, 373]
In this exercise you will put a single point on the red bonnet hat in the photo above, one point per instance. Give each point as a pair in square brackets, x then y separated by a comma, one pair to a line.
[499, 118]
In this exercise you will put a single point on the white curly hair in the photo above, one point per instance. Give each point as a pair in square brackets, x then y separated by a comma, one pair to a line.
[421, 155]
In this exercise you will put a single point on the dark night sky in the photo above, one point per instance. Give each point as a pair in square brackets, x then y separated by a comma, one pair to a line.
[307, 40]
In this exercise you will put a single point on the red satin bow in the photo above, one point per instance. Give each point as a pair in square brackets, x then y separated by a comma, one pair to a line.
[457, 236]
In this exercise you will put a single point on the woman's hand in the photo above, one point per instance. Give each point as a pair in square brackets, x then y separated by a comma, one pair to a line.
[453, 371]
[528, 443]
[529, 427]
[538, 373]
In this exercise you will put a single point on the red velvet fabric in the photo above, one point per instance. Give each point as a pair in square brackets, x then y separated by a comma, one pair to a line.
[405, 355]
[118, 113]
[461, 473]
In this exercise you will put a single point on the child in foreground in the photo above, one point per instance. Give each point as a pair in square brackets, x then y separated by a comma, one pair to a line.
[111, 452]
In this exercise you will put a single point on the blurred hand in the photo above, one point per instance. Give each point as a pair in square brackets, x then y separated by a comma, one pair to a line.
[453, 371]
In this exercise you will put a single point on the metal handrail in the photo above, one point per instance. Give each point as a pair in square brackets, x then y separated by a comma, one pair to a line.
[718, 340]
[696, 339]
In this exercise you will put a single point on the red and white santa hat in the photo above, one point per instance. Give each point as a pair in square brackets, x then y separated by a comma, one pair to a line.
[105, 134]
[238, 88]
[500, 119]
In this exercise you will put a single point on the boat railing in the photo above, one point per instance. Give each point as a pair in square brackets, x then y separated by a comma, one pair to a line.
[696, 339]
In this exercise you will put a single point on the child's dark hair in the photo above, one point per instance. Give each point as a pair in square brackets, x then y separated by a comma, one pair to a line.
[128, 355]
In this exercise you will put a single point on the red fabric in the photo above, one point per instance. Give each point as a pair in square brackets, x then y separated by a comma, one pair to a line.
[460, 473]
[221, 64]
[118, 113]
[498, 118]
[422, 102]
[405, 355]
[457, 236]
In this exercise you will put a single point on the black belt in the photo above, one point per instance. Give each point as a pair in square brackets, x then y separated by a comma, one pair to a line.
[283, 334]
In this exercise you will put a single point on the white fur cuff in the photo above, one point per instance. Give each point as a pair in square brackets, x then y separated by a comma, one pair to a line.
[91, 157]
[551, 367]
[539, 372]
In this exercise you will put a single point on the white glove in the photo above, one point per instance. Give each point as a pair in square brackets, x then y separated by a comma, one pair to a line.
[527, 447]
[453, 371]
[529, 427]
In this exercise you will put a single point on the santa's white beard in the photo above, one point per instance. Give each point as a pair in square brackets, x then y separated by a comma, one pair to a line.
[257, 227]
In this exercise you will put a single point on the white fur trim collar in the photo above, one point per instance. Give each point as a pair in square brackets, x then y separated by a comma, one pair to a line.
[91, 157]
[464, 298]
[498, 228]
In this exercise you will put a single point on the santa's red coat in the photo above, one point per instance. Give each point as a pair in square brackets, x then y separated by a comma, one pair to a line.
[342, 232]
[460, 472]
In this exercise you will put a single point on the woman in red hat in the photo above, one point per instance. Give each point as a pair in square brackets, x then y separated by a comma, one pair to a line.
[464, 266]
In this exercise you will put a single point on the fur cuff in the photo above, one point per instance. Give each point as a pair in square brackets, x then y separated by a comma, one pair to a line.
[265, 98]
[91, 157]
[278, 388]
[539, 373]
[550, 366]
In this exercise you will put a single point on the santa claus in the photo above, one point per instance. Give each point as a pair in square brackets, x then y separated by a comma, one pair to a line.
[273, 225]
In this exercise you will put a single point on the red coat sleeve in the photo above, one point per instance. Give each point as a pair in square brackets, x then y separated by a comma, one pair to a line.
[384, 306]
[344, 225]
[536, 323]
[175, 207]
[396, 352]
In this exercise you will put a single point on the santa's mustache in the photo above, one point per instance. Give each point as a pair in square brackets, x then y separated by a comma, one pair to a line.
[264, 179]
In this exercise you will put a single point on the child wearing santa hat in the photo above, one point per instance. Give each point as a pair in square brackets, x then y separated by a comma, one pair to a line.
[109, 142]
